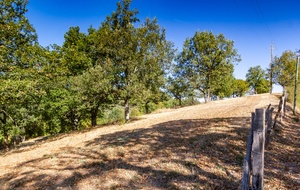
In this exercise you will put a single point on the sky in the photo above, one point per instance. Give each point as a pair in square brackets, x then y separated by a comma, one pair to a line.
[254, 25]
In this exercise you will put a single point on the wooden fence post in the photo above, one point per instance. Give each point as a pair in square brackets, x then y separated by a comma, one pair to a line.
[278, 112]
[269, 124]
[258, 149]
[284, 103]
[282, 108]
[247, 161]
[267, 113]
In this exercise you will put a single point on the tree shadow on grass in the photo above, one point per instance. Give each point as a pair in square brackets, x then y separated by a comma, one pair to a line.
[180, 154]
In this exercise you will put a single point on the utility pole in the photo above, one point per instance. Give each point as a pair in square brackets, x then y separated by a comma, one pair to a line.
[296, 83]
[271, 69]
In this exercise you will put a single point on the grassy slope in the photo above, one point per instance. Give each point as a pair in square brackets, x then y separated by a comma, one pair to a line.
[199, 147]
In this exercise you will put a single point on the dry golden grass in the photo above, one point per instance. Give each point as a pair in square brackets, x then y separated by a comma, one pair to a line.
[198, 147]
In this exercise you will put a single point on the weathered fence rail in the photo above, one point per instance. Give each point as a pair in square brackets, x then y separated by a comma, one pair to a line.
[259, 137]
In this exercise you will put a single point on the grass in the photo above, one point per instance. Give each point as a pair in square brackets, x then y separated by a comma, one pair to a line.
[291, 91]
[171, 155]
[201, 153]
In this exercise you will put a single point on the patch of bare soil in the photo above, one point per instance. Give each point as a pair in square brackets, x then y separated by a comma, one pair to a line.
[197, 147]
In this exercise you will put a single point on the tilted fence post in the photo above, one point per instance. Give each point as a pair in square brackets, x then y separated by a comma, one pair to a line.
[282, 108]
[269, 123]
[284, 103]
[278, 112]
[258, 149]
[247, 161]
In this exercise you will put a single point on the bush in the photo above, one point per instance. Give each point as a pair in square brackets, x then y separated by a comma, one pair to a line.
[171, 103]
[135, 112]
[116, 114]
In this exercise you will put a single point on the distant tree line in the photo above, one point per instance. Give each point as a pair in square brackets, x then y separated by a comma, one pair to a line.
[55, 89]
[281, 71]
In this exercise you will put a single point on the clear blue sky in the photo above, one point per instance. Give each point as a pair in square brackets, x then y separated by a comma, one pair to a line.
[252, 24]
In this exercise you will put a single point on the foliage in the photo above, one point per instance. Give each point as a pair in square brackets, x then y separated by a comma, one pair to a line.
[56, 89]
[256, 77]
[95, 89]
[224, 83]
[18, 69]
[16, 37]
[139, 55]
[177, 83]
[284, 69]
[241, 87]
[75, 52]
[208, 59]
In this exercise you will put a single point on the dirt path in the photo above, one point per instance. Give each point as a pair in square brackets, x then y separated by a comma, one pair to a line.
[198, 147]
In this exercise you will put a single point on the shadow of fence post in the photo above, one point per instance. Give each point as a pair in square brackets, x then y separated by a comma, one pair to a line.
[247, 167]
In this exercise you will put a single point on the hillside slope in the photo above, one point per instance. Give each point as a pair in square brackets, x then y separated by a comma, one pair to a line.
[197, 147]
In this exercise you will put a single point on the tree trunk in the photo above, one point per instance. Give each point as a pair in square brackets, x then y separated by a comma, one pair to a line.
[76, 121]
[208, 85]
[127, 110]
[94, 113]
[4, 121]
[147, 107]
[207, 97]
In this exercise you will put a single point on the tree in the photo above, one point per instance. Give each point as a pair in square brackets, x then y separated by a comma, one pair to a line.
[19, 65]
[95, 89]
[138, 55]
[241, 87]
[224, 83]
[16, 36]
[207, 59]
[256, 77]
[177, 83]
[75, 52]
[284, 69]
[55, 97]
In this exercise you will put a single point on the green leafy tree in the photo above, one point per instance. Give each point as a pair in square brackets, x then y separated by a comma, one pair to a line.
[139, 55]
[95, 89]
[75, 52]
[223, 85]
[256, 77]
[19, 65]
[76, 60]
[17, 35]
[177, 83]
[207, 59]
[241, 87]
[284, 69]
[53, 103]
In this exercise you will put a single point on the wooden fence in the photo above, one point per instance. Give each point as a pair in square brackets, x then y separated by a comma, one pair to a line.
[261, 126]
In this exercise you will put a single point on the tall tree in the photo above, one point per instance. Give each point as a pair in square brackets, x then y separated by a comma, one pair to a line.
[204, 56]
[256, 77]
[18, 67]
[284, 69]
[139, 55]
[16, 37]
